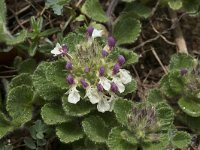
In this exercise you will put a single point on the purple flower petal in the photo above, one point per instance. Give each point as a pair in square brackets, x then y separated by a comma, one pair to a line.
[121, 60]
[183, 71]
[68, 66]
[90, 31]
[87, 69]
[70, 79]
[111, 42]
[116, 68]
[104, 53]
[100, 87]
[114, 87]
[101, 71]
[84, 83]
[64, 48]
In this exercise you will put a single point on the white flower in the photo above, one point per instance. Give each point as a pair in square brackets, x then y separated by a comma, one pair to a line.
[97, 33]
[105, 83]
[57, 50]
[125, 76]
[119, 84]
[98, 97]
[103, 105]
[93, 95]
[74, 95]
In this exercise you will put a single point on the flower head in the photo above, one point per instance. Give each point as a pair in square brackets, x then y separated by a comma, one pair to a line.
[104, 53]
[116, 68]
[114, 87]
[90, 31]
[74, 95]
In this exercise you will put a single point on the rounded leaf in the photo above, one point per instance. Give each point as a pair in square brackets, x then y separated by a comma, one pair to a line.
[43, 87]
[126, 34]
[21, 79]
[80, 109]
[116, 142]
[54, 114]
[69, 132]
[96, 129]
[181, 139]
[19, 104]
[189, 106]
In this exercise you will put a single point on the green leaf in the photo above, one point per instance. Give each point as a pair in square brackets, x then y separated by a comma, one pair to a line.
[21, 79]
[72, 39]
[40, 135]
[49, 32]
[69, 132]
[29, 143]
[181, 139]
[45, 88]
[129, 56]
[3, 11]
[121, 109]
[155, 96]
[54, 114]
[57, 5]
[56, 74]
[191, 122]
[180, 61]
[138, 9]
[165, 86]
[19, 104]
[129, 137]
[27, 66]
[165, 115]
[96, 129]
[5, 125]
[80, 109]
[130, 87]
[190, 106]
[98, 15]
[116, 142]
[126, 34]
[21, 37]
[175, 4]
[176, 82]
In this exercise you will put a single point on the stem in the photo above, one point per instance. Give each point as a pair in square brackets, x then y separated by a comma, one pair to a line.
[110, 11]
[179, 39]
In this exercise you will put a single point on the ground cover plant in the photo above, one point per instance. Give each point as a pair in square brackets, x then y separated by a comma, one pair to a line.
[91, 74]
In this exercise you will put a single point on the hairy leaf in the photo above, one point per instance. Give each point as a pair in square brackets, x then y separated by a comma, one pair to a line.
[69, 132]
[27, 66]
[80, 109]
[98, 15]
[155, 96]
[45, 88]
[121, 109]
[54, 114]
[190, 106]
[116, 142]
[181, 139]
[21, 79]
[126, 34]
[175, 4]
[56, 74]
[96, 129]
[19, 104]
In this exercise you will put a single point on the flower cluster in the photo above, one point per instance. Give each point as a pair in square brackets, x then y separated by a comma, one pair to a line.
[90, 68]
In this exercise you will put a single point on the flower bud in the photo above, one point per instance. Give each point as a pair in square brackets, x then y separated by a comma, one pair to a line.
[90, 31]
[70, 79]
[68, 66]
[84, 83]
[100, 87]
[64, 48]
[87, 69]
[114, 87]
[111, 42]
[104, 53]
[183, 71]
[116, 68]
[101, 71]
[121, 60]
